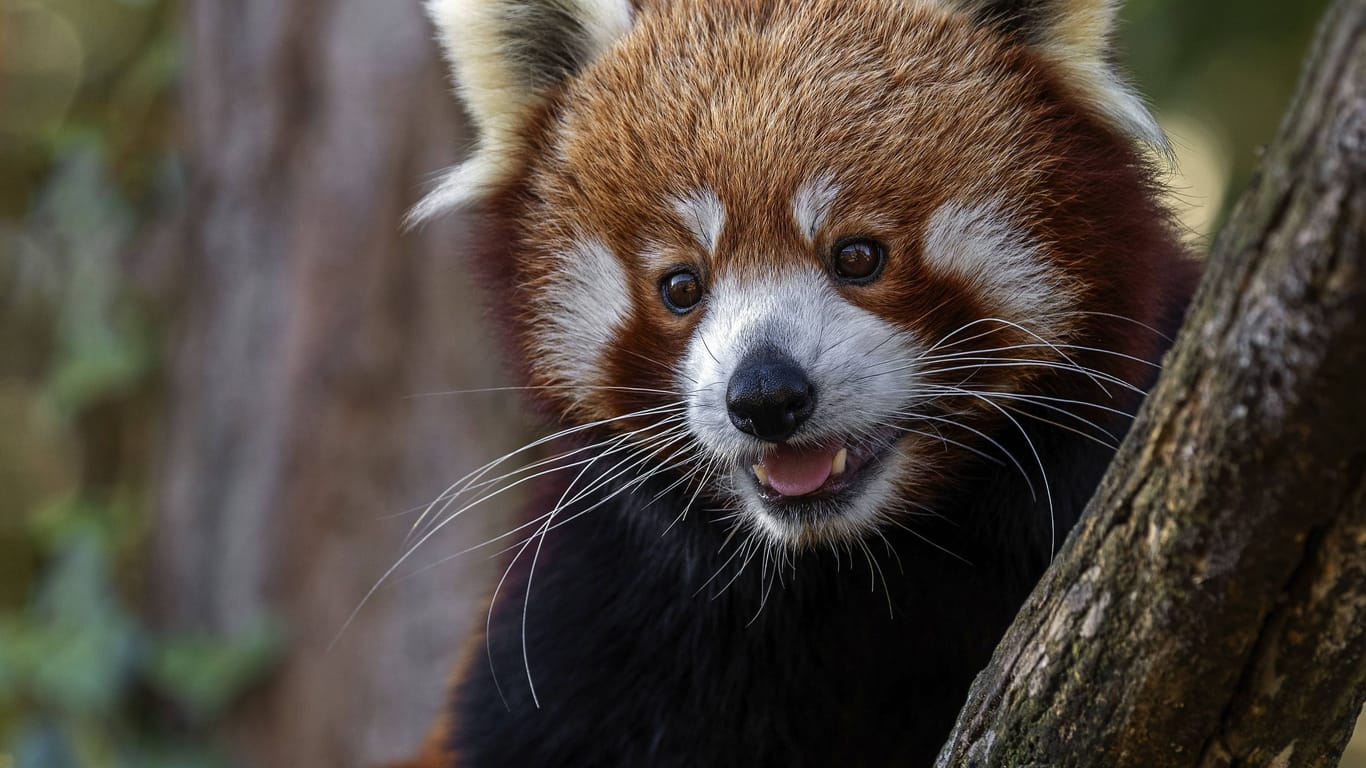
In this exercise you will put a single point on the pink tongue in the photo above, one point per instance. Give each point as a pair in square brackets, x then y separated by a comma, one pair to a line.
[796, 471]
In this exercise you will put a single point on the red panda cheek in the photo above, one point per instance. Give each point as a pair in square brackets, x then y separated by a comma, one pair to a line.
[640, 366]
[976, 282]
[579, 305]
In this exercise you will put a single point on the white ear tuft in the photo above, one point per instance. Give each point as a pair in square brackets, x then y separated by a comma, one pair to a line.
[456, 187]
[1076, 36]
[505, 56]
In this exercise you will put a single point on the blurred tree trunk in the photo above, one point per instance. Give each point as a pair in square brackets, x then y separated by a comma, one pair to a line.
[1210, 610]
[308, 322]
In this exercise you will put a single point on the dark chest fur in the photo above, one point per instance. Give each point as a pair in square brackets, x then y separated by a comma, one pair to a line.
[831, 658]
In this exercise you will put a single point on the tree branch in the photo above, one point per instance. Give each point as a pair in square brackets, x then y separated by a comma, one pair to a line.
[1210, 610]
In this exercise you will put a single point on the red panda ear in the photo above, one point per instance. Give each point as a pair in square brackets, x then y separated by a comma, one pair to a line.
[505, 56]
[1076, 36]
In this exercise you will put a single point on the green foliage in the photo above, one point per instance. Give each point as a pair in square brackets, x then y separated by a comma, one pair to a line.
[85, 679]
[82, 678]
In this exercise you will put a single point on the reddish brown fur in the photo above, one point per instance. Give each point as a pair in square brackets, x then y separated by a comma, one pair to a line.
[740, 94]
[908, 109]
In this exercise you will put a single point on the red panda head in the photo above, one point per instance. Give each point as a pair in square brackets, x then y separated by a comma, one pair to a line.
[813, 255]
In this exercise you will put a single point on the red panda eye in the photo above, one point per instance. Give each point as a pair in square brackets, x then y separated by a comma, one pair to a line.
[858, 259]
[681, 290]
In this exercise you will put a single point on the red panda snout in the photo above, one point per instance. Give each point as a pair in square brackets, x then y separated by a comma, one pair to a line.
[782, 370]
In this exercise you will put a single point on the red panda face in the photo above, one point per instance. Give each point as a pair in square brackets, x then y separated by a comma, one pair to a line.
[811, 257]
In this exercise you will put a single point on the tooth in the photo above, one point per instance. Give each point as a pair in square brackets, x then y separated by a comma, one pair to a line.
[837, 466]
[761, 473]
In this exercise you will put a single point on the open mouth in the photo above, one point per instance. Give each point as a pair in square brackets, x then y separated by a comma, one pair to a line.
[789, 475]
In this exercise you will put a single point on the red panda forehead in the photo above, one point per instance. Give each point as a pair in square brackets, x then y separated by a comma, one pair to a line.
[902, 106]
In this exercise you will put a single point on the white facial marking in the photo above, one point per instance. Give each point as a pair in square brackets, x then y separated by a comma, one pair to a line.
[586, 305]
[704, 216]
[861, 366]
[983, 245]
[812, 203]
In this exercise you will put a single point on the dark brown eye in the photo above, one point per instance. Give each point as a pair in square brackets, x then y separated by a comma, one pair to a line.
[858, 260]
[682, 290]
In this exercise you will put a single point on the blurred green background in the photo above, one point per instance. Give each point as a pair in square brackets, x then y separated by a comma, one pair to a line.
[89, 164]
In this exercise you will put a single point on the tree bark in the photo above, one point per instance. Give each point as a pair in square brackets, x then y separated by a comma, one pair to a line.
[309, 322]
[1210, 610]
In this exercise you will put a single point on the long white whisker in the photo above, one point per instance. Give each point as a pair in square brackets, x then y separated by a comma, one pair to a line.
[675, 435]
[1046, 342]
[478, 473]
[733, 530]
[1013, 347]
[601, 481]
[540, 536]
[984, 436]
[437, 528]
[704, 478]
[940, 437]
[752, 545]
[1043, 475]
[538, 387]
[959, 330]
[960, 392]
[1050, 399]
[618, 443]
[767, 581]
[615, 439]
[1112, 315]
[876, 568]
[925, 539]
[887, 545]
[997, 362]
[1065, 427]
[994, 362]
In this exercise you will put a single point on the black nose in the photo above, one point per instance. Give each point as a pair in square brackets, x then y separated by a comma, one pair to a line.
[769, 397]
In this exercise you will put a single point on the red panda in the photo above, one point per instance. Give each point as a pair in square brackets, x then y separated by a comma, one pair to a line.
[840, 307]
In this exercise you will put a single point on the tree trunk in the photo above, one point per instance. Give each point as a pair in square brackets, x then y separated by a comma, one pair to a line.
[1211, 608]
[309, 323]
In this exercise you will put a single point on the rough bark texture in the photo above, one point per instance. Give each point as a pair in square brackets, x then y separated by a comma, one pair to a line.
[1211, 608]
[310, 320]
